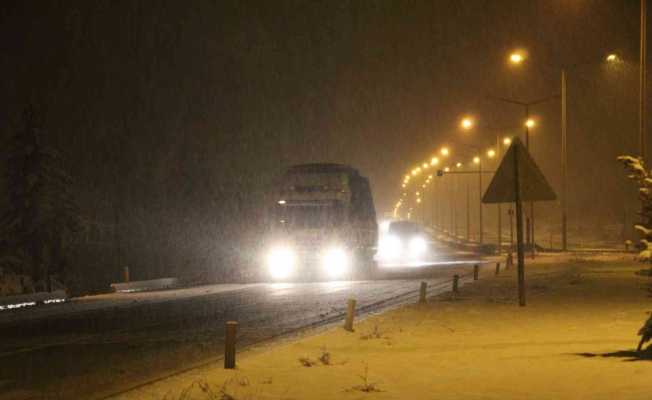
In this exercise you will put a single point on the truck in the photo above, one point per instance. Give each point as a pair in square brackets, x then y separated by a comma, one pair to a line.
[322, 224]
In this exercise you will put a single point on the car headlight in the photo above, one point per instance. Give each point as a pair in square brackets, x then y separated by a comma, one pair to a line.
[281, 262]
[335, 261]
[389, 246]
[417, 246]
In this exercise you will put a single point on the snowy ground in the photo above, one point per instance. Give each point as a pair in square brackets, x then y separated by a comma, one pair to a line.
[574, 340]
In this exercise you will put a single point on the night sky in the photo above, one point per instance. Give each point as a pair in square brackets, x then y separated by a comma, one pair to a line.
[176, 108]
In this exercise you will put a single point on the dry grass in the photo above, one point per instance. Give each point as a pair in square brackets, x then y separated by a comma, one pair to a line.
[366, 386]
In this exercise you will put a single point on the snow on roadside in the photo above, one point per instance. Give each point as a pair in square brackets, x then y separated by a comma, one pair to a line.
[569, 342]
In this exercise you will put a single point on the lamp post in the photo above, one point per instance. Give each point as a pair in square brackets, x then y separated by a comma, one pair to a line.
[467, 123]
[477, 160]
[642, 83]
[468, 210]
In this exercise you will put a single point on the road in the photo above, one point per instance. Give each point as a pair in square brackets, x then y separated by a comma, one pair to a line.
[96, 346]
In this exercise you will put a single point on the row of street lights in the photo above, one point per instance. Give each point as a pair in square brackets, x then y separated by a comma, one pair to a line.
[434, 163]
[516, 58]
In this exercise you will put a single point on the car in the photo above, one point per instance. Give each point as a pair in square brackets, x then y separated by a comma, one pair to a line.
[403, 242]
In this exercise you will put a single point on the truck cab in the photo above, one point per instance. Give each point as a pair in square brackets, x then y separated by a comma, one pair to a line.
[323, 224]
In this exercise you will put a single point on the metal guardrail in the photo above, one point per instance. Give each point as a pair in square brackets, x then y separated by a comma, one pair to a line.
[141, 286]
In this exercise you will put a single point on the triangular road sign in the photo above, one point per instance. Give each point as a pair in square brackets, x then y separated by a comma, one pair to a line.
[531, 182]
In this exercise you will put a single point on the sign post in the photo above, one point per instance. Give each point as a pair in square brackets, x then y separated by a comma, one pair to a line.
[518, 179]
[520, 256]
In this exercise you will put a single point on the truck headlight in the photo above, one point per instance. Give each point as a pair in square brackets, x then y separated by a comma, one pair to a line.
[281, 262]
[417, 246]
[335, 261]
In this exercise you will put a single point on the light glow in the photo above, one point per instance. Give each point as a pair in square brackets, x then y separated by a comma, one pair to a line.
[507, 141]
[516, 58]
[530, 123]
[476, 160]
[444, 151]
[280, 262]
[612, 58]
[389, 247]
[336, 262]
[467, 123]
[417, 246]
[434, 161]
[491, 153]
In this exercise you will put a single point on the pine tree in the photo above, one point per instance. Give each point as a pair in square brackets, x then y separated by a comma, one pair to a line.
[42, 215]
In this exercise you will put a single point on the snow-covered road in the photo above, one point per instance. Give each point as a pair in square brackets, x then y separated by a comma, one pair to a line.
[100, 343]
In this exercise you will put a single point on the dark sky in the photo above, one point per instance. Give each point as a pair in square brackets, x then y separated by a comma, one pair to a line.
[161, 98]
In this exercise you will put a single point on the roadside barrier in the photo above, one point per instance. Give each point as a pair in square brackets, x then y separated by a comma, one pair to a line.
[422, 292]
[229, 344]
[350, 312]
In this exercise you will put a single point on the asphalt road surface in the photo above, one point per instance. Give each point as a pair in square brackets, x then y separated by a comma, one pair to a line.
[96, 346]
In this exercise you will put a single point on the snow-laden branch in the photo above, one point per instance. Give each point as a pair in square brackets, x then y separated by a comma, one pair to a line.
[635, 166]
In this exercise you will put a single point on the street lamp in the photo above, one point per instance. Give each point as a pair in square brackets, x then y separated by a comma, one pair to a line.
[444, 151]
[507, 141]
[516, 58]
[434, 161]
[491, 153]
[530, 123]
[612, 58]
[476, 160]
[467, 123]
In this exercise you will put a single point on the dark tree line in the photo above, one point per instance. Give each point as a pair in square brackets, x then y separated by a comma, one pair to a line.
[42, 217]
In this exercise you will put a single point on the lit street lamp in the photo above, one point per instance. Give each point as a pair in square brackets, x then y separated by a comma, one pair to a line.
[467, 123]
[530, 123]
[516, 57]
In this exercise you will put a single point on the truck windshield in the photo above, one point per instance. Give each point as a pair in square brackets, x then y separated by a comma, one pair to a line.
[310, 216]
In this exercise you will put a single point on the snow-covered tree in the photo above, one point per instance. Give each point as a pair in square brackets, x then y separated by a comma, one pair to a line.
[643, 178]
[41, 214]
